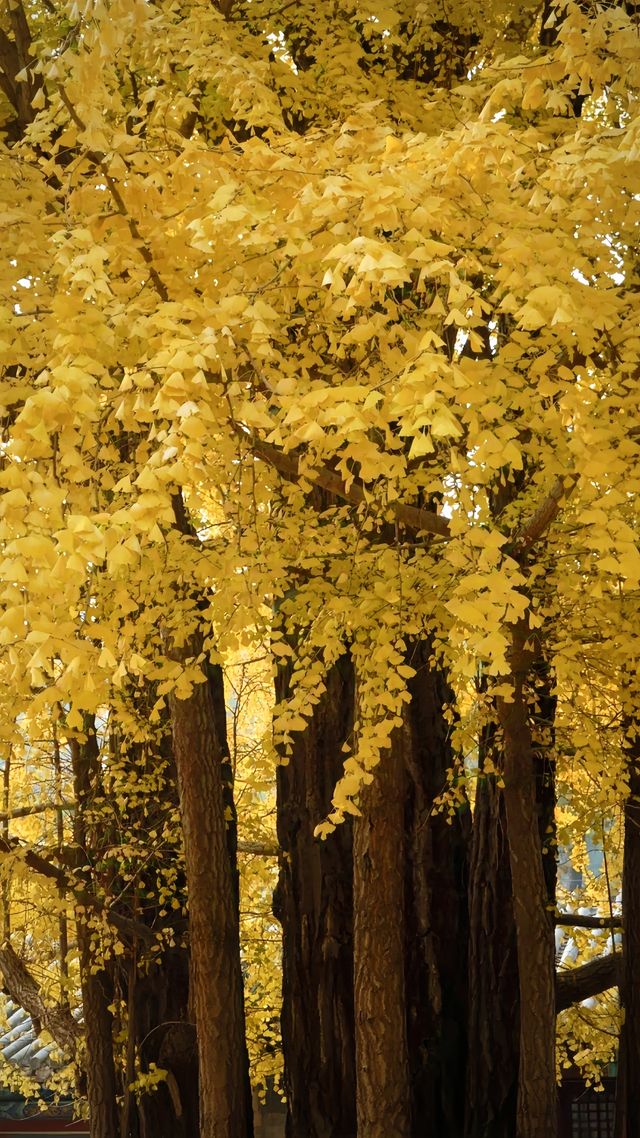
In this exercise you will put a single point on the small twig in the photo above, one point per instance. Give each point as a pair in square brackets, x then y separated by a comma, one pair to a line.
[100, 160]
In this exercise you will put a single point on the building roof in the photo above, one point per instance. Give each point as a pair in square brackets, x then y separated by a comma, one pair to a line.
[20, 1046]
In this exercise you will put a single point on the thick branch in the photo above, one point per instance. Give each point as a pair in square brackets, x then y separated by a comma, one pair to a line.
[411, 517]
[127, 928]
[414, 519]
[576, 984]
[40, 808]
[580, 921]
[532, 531]
[14, 59]
[261, 849]
[25, 991]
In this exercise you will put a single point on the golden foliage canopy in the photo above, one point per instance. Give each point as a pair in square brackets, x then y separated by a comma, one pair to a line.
[360, 282]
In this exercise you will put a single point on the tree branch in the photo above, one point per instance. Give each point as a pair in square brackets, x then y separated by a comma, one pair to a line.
[25, 991]
[261, 849]
[576, 984]
[532, 531]
[580, 921]
[411, 517]
[415, 519]
[100, 160]
[14, 59]
[40, 808]
[127, 928]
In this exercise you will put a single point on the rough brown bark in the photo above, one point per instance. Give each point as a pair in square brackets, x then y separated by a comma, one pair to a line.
[536, 1109]
[97, 992]
[436, 916]
[25, 991]
[215, 680]
[159, 1022]
[15, 57]
[494, 1018]
[165, 1036]
[628, 1099]
[97, 995]
[382, 1063]
[216, 979]
[203, 766]
[576, 984]
[313, 902]
[542, 713]
[494, 998]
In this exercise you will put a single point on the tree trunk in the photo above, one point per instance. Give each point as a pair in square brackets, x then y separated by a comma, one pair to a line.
[436, 916]
[97, 991]
[314, 899]
[494, 1016]
[382, 1063]
[542, 717]
[313, 902]
[165, 1036]
[536, 1110]
[494, 1000]
[216, 978]
[158, 1023]
[97, 995]
[628, 1101]
[215, 680]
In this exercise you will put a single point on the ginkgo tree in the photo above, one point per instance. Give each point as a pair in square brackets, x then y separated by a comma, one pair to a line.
[321, 328]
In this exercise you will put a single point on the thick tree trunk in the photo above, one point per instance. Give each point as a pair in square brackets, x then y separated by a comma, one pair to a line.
[313, 902]
[97, 995]
[383, 1098]
[536, 1110]
[436, 917]
[542, 718]
[160, 1024]
[494, 1017]
[215, 680]
[628, 1100]
[165, 1036]
[314, 899]
[216, 978]
[494, 999]
[97, 990]
[158, 1021]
